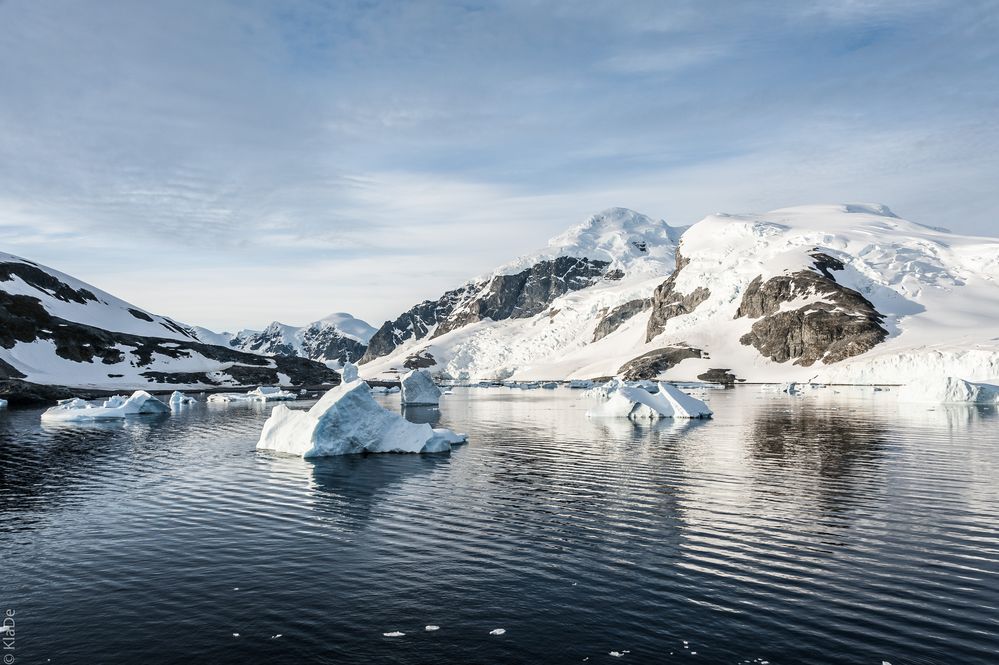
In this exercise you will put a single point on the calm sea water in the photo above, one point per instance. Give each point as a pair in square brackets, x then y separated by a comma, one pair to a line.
[830, 528]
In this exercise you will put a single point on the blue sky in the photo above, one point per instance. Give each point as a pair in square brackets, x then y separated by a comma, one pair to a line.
[231, 163]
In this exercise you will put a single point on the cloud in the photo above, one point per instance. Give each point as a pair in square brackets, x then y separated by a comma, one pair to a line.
[367, 155]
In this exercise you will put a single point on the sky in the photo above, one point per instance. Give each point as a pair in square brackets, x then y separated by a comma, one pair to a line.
[232, 163]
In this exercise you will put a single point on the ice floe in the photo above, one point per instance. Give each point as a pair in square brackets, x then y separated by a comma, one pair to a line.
[116, 406]
[419, 389]
[347, 420]
[498, 631]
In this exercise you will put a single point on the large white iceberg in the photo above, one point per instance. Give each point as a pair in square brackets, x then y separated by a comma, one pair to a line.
[637, 403]
[349, 373]
[347, 420]
[116, 406]
[949, 390]
[419, 389]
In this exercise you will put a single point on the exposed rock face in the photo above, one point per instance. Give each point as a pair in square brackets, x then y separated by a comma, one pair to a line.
[667, 302]
[650, 365]
[838, 324]
[419, 360]
[516, 296]
[714, 375]
[615, 318]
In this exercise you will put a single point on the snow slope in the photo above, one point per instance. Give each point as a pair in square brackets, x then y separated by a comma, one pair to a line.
[68, 298]
[860, 295]
[57, 330]
[558, 341]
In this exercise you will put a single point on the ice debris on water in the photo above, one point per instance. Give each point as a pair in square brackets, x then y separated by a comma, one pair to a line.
[432, 628]
[274, 637]
[618, 654]
[497, 631]
[394, 633]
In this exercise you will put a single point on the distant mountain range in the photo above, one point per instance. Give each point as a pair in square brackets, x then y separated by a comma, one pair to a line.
[336, 338]
[834, 293]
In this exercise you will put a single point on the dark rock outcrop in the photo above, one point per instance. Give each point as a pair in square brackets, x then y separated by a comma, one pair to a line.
[840, 323]
[517, 296]
[714, 375]
[615, 318]
[652, 364]
[668, 303]
[419, 360]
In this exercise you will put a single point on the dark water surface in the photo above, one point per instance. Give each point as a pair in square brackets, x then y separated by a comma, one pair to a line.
[831, 528]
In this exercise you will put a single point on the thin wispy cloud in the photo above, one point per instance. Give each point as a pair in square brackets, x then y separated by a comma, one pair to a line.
[363, 156]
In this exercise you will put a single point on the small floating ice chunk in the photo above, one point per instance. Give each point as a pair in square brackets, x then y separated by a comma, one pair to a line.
[271, 394]
[235, 634]
[3, 404]
[274, 637]
[394, 633]
[419, 389]
[618, 654]
[432, 628]
[498, 631]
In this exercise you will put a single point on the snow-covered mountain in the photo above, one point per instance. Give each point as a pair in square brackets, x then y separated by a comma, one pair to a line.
[338, 337]
[57, 330]
[838, 293]
[528, 315]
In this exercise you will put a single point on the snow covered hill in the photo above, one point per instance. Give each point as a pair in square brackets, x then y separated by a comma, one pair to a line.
[338, 338]
[532, 316]
[57, 330]
[836, 293]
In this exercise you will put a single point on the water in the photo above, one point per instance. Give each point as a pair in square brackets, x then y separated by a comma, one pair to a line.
[830, 528]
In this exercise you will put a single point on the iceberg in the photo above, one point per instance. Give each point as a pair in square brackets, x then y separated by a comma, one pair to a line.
[216, 398]
[3, 404]
[116, 406]
[178, 399]
[637, 403]
[419, 389]
[346, 421]
[949, 390]
[271, 394]
[580, 384]
[349, 373]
